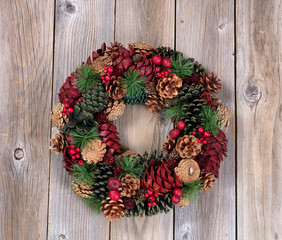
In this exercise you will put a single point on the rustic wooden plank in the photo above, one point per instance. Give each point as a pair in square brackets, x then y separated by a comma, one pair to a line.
[205, 31]
[259, 51]
[26, 77]
[81, 27]
[140, 130]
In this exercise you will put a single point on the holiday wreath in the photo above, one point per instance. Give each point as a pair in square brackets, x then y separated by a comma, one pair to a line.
[126, 183]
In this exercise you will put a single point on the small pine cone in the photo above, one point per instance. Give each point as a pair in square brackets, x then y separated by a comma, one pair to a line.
[187, 170]
[168, 87]
[113, 51]
[225, 116]
[168, 102]
[174, 155]
[188, 146]
[82, 190]
[169, 145]
[115, 89]
[112, 209]
[210, 82]
[129, 152]
[141, 47]
[128, 186]
[102, 62]
[115, 109]
[140, 194]
[94, 151]
[183, 202]
[150, 88]
[57, 118]
[208, 179]
[59, 143]
[154, 103]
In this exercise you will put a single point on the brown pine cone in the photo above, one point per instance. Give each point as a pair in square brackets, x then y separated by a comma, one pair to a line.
[82, 190]
[94, 151]
[154, 103]
[140, 194]
[113, 49]
[188, 146]
[169, 145]
[102, 62]
[150, 88]
[168, 102]
[183, 202]
[174, 155]
[115, 89]
[115, 109]
[117, 159]
[129, 186]
[208, 179]
[187, 170]
[168, 86]
[129, 152]
[224, 115]
[57, 118]
[141, 47]
[210, 82]
[112, 209]
[59, 143]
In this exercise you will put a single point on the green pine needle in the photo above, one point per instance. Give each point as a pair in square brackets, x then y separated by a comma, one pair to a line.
[80, 139]
[133, 83]
[191, 190]
[182, 67]
[84, 174]
[94, 203]
[211, 119]
[132, 165]
[86, 77]
[175, 112]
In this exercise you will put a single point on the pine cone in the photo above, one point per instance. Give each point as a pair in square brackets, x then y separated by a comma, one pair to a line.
[122, 61]
[100, 63]
[188, 146]
[225, 116]
[167, 52]
[115, 109]
[209, 99]
[82, 190]
[187, 170]
[141, 47]
[57, 118]
[140, 194]
[169, 145]
[139, 98]
[112, 209]
[113, 51]
[128, 186]
[59, 143]
[208, 180]
[168, 102]
[115, 89]
[150, 88]
[183, 202]
[145, 67]
[174, 155]
[154, 103]
[210, 82]
[128, 153]
[168, 87]
[94, 151]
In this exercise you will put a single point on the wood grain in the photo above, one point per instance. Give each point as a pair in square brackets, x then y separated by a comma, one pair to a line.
[80, 27]
[26, 75]
[205, 31]
[139, 130]
[259, 51]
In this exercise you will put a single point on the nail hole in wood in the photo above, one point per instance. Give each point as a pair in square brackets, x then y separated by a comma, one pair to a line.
[62, 236]
[18, 153]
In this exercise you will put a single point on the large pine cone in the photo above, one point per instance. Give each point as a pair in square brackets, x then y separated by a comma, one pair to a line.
[168, 87]
[113, 50]
[115, 109]
[141, 48]
[113, 209]
[210, 82]
[94, 151]
[168, 145]
[114, 88]
[101, 62]
[188, 146]
[82, 190]
[208, 180]
[57, 118]
[154, 103]
[187, 170]
[59, 143]
[129, 186]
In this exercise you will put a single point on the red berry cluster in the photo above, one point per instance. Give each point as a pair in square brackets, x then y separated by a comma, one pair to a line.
[201, 135]
[177, 193]
[67, 107]
[166, 64]
[75, 154]
[175, 132]
[152, 198]
[108, 74]
[113, 185]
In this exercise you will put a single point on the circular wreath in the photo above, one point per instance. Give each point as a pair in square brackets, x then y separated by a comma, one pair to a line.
[124, 183]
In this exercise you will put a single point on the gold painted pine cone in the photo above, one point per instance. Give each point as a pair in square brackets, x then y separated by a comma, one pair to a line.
[82, 190]
[224, 115]
[187, 170]
[115, 110]
[141, 47]
[115, 89]
[188, 146]
[112, 209]
[102, 62]
[94, 151]
[208, 179]
[59, 143]
[129, 186]
[57, 118]
[168, 87]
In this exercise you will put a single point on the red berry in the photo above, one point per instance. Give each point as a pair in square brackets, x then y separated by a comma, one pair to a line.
[64, 109]
[166, 63]
[72, 146]
[146, 195]
[150, 204]
[73, 157]
[113, 183]
[72, 152]
[104, 81]
[64, 114]
[114, 195]
[166, 73]
[169, 70]
[152, 198]
[80, 162]
[77, 149]
[67, 105]
[80, 100]
[205, 142]
[174, 133]
[175, 199]
[70, 110]
[150, 192]
[107, 78]
[177, 192]
[110, 69]
[207, 134]
[157, 59]
[156, 195]
[106, 68]
[66, 99]
[200, 140]
[102, 77]
[77, 155]
[200, 130]
[154, 204]
[159, 75]
[108, 74]
[194, 132]
[181, 125]
[157, 69]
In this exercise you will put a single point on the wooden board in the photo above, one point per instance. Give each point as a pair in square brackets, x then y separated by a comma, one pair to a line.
[205, 31]
[259, 51]
[26, 77]
[140, 130]
[80, 27]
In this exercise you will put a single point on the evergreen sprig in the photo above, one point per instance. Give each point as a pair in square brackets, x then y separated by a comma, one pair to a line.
[94, 203]
[80, 139]
[191, 190]
[84, 174]
[132, 165]
[182, 67]
[86, 77]
[210, 119]
[175, 112]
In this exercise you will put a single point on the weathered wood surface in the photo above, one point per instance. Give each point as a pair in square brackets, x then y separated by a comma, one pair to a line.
[36, 199]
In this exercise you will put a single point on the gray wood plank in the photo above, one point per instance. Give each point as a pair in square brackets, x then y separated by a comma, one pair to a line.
[26, 50]
[259, 51]
[81, 27]
[139, 130]
[205, 31]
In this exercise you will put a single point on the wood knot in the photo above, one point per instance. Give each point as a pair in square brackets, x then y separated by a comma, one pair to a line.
[62, 236]
[18, 153]
[252, 92]
[69, 7]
